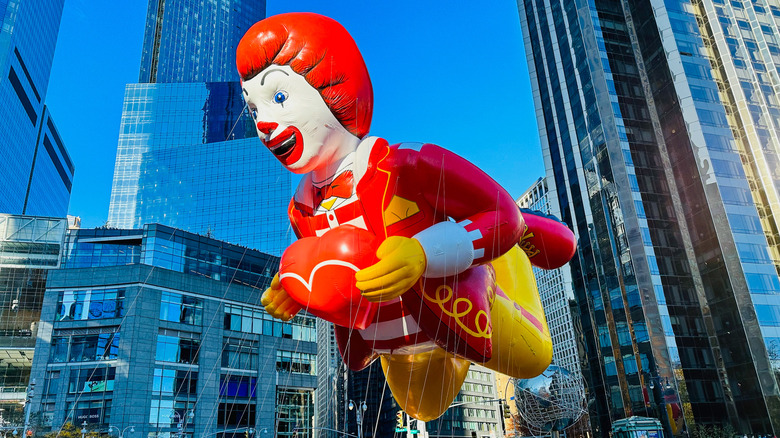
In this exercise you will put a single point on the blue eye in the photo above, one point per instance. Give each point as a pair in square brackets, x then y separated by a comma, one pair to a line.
[280, 96]
[254, 113]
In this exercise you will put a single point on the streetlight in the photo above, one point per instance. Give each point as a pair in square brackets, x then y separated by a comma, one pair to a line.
[122, 432]
[359, 413]
[27, 405]
[83, 428]
[249, 430]
[663, 385]
[182, 423]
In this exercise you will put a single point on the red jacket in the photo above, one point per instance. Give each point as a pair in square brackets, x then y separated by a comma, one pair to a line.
[403, 190]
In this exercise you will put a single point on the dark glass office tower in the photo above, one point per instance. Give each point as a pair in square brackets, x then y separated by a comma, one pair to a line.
[657, 127]
[36, 170]
[188, 154]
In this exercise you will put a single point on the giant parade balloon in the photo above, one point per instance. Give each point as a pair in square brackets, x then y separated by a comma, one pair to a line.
[418, 257]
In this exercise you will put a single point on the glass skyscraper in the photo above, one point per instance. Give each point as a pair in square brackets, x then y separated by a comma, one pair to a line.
[188, 153]
[37, 172]
[660, 141]
[29, 249]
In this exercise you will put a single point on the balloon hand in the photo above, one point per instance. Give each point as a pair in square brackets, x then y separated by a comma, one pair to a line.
[277, 303]
[401, 263]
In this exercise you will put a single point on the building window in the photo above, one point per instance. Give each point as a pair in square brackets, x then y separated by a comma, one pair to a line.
[294, 362]
[91, 380]
[181, 308]
[174, 382]
[93, 412]
[236, 414]
[90, 304]
[168, 413]
[177, 350]
[251, 320]
[239, 354]
[237, 386]
[294, 409]
[51, 386]
[104, 346]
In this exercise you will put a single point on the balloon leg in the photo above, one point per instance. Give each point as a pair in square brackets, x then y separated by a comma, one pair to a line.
[522, 346]
[424, 384]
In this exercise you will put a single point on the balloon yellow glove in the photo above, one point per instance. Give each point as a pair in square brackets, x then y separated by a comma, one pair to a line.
[401, 263]
[277, 303]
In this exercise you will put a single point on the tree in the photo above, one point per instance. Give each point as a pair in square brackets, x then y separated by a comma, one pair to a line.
[712, 431]
[69, 430]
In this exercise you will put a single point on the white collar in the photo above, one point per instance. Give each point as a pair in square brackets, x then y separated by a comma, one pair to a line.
[357, 161]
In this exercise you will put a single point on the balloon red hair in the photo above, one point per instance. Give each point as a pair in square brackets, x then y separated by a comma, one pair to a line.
[322, 51]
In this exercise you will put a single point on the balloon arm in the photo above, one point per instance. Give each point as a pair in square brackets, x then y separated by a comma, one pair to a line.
[462, 191]
[278, 303]
[448, 249]
[401, 263]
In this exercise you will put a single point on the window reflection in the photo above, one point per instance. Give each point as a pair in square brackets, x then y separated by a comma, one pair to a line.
[181, 308]
[90, 304]
[85, 348]
[177, 350]
[91, 380]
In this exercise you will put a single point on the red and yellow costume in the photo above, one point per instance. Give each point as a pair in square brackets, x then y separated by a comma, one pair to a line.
[450, 282]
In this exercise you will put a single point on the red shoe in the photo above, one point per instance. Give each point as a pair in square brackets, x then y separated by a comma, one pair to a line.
[455, 312]
[547, 242]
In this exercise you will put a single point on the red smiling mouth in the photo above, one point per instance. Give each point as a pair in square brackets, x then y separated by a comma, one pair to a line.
[287, 146]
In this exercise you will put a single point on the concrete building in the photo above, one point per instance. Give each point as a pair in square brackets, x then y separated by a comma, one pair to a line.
[555, 290]
[476, 410]
[658, 123]
[162, 330]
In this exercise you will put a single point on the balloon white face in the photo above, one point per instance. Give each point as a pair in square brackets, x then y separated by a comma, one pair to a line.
[294, 122]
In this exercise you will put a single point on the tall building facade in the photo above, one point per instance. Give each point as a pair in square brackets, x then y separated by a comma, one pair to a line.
[658, 136]
[29, 249]
[554, 289]
[162, 330]
[188, 154]
[37, 170]
[558, 301]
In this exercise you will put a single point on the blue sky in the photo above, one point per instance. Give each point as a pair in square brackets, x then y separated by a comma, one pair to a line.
[444, 72]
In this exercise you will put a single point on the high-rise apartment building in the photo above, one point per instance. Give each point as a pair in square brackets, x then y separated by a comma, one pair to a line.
[660, 141]
[188, 154]
[162, 330]
[29, 249]
[37, 172]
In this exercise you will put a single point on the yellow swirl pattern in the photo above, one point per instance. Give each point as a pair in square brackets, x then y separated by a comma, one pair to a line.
[481, 319]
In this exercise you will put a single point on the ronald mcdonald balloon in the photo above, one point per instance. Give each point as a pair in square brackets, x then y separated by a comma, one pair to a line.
[418, 257]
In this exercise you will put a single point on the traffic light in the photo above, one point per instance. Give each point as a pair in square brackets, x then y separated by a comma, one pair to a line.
[507, 413]
[246, 434]
[399, 422]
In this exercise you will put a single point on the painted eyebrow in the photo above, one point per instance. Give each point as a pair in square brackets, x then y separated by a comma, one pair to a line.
[262, 80]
